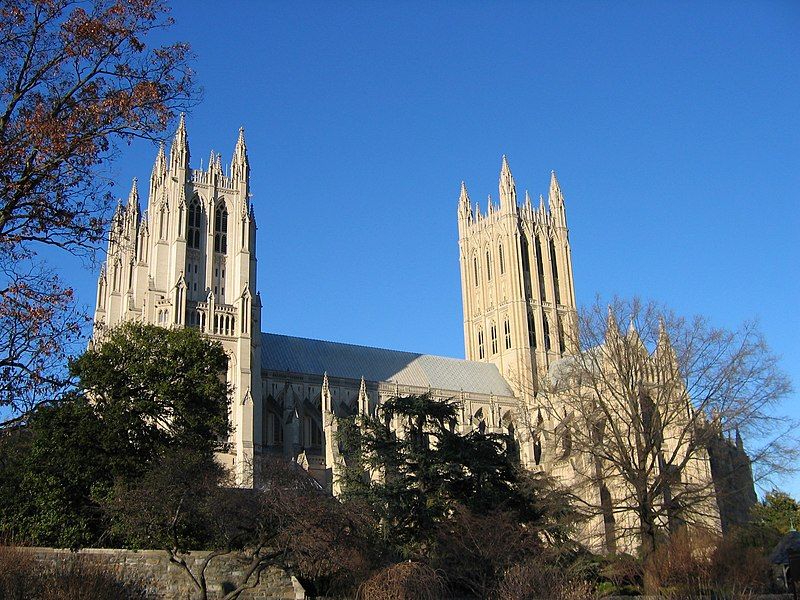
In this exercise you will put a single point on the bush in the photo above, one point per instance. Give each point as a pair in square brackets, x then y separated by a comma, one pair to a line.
[538, 578]
[695, 562]
[74, 579]
[403, 581]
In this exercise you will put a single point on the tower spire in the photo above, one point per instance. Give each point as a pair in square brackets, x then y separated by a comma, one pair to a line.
[464, 204]
[240, 167]
[555, 200]
[508, 191]
[179, 152]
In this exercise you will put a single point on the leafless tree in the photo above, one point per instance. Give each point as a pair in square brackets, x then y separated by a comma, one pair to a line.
[189, 502]
[628, 420]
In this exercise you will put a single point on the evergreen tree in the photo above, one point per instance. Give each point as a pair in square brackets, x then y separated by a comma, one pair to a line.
[410, 462]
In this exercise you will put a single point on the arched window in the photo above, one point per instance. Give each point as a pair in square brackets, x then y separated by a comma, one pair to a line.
[526, 265]
[479, 420]
[477, 274]
[540, 266]
[488, 266]
[531, 329]
[494, 338]
[561, 343]
[502, 259]
[507, 332]
[481, 353]
[193, 224]
[554, 263]
[162, 222]
[312, 433]
[546, 333]
[274, 429]
[221, 229]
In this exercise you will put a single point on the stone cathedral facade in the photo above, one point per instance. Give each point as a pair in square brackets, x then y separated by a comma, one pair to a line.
[189, 260]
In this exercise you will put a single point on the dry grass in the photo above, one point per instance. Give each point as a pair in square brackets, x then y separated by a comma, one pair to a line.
[76, 578]
[403, 581]
[536, 579]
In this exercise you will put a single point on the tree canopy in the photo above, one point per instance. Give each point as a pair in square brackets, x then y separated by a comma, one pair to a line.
[410, 462]
[145, 393]
[76, 79]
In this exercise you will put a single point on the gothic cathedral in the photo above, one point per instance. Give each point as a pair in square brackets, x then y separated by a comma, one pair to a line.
[189, 260]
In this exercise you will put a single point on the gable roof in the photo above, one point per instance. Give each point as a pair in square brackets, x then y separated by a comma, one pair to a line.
[315, 357]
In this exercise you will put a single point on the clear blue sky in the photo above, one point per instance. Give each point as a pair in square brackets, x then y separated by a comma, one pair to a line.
[674, 129]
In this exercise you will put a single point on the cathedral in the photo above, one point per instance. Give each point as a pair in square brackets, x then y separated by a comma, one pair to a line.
[189, 260]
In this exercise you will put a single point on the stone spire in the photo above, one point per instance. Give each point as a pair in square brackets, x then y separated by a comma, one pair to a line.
[555, 200]
[240, 167]
[325, 394]
[160, 165]
[363, 399]
[179, 152]
[508, 191]
[464, 204]
[133, 197]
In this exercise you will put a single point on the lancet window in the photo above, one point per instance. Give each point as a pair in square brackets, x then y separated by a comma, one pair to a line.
[546, 333]
[507, 332]
[540, 267]
[554, 263]
[494, 338]
[193, 224]
[221, 229]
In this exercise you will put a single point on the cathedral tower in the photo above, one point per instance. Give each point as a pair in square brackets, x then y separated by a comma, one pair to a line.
[189, 261]
[516, 281]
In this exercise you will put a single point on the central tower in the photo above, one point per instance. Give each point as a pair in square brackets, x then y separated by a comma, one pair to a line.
[516, 281]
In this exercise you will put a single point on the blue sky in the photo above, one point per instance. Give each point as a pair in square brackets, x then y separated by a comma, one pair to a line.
[674, 129]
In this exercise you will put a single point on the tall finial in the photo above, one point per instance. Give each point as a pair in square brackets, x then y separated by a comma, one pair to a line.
[160, 164]
[464, 204]
[508, 190]
[556, 201]
[133, 196]
[179, 152]
[240, 167]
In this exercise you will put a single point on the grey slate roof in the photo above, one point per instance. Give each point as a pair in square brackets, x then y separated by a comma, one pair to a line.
[315, 357]
[789, 543]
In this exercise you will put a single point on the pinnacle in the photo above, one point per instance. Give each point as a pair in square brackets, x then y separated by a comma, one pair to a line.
[505, 170]
[464, 196]
[134, 193]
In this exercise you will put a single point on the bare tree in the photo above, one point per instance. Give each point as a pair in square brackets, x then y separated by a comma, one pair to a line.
[628, 420]
[188, 501]
[76, 78]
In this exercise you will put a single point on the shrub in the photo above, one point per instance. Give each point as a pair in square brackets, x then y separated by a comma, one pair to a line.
[76, 578]
[403, 581]
[538, 578]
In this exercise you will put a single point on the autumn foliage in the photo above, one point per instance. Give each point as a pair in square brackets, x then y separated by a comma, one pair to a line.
[76, 79]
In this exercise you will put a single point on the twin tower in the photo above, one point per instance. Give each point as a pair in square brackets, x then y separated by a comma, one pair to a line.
[516, 282]
[189, 260]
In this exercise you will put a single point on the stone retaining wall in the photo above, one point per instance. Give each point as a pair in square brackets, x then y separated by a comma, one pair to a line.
[165, 580]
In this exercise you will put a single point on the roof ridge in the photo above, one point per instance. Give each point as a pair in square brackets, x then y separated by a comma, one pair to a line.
[418, 354]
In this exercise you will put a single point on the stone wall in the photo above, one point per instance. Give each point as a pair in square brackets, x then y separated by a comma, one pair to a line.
[169, 581]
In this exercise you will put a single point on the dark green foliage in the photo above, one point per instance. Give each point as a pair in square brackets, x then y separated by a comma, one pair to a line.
[146, 392]
[155, 387]
[61, 464]
[430, 470]
[778, 512]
